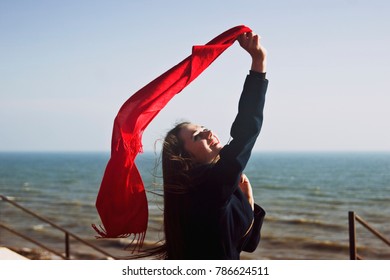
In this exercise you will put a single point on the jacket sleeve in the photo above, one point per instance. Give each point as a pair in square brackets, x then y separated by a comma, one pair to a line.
[244, 131]
[253, 239]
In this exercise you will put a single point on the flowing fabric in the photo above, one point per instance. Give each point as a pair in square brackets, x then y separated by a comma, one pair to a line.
[121, 201]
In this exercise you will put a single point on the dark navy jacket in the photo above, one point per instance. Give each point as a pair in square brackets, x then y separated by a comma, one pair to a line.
[217, 215]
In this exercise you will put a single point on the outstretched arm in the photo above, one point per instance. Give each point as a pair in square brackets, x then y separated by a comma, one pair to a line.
[247, 124]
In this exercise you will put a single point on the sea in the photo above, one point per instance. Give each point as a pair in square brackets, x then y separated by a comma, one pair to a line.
[307, 197]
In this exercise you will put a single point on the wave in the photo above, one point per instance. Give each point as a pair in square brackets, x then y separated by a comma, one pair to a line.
[76, 203]
[39, 227]
[304, 221]
[326, 245]
[294, 243]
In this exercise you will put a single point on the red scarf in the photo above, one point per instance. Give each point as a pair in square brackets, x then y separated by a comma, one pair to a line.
[121, 201]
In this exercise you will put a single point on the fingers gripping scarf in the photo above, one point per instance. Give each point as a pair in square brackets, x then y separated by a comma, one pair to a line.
[121, 201]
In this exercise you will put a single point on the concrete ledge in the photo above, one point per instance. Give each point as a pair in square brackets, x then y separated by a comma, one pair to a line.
[7, 254]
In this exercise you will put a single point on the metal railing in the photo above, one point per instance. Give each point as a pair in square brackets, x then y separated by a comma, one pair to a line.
[352, 217]
[68, 234]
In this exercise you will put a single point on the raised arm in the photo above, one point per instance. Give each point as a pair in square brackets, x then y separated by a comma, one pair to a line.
[248, 122]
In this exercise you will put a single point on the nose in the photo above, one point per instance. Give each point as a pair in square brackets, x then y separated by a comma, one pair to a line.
[207, 134]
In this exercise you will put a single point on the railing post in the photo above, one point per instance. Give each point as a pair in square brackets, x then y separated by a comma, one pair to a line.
[67, 246]
[352, 236]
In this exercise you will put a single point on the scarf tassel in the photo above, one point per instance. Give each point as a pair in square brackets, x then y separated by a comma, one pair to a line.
[137, 241]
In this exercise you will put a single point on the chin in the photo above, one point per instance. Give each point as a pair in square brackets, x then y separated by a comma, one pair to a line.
[218, 147]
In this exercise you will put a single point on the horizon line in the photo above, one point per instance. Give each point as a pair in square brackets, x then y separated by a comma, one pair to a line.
[151, 151]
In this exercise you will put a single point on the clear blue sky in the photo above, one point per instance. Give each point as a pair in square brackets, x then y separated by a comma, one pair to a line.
[66, 67]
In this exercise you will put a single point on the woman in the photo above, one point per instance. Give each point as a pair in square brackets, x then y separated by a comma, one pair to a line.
[209, 210]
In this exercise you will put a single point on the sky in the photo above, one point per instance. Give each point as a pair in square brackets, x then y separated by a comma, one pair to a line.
[66, 67]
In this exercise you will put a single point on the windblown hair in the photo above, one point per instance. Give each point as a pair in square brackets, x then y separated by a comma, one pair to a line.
[176, 164]
[176, 161]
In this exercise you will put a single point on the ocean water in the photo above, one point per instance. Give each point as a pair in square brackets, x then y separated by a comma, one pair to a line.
[307, 197]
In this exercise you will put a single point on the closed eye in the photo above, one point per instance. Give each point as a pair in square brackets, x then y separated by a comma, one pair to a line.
[198, 133]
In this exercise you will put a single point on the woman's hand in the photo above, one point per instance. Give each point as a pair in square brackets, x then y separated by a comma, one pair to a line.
[251, 43]
[246, 188]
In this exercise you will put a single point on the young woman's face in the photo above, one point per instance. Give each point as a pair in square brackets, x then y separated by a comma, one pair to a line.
[200, 143]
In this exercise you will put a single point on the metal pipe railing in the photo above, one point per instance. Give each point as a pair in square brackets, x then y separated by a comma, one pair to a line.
[67, 233]
[352, 217]
[34, 241]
